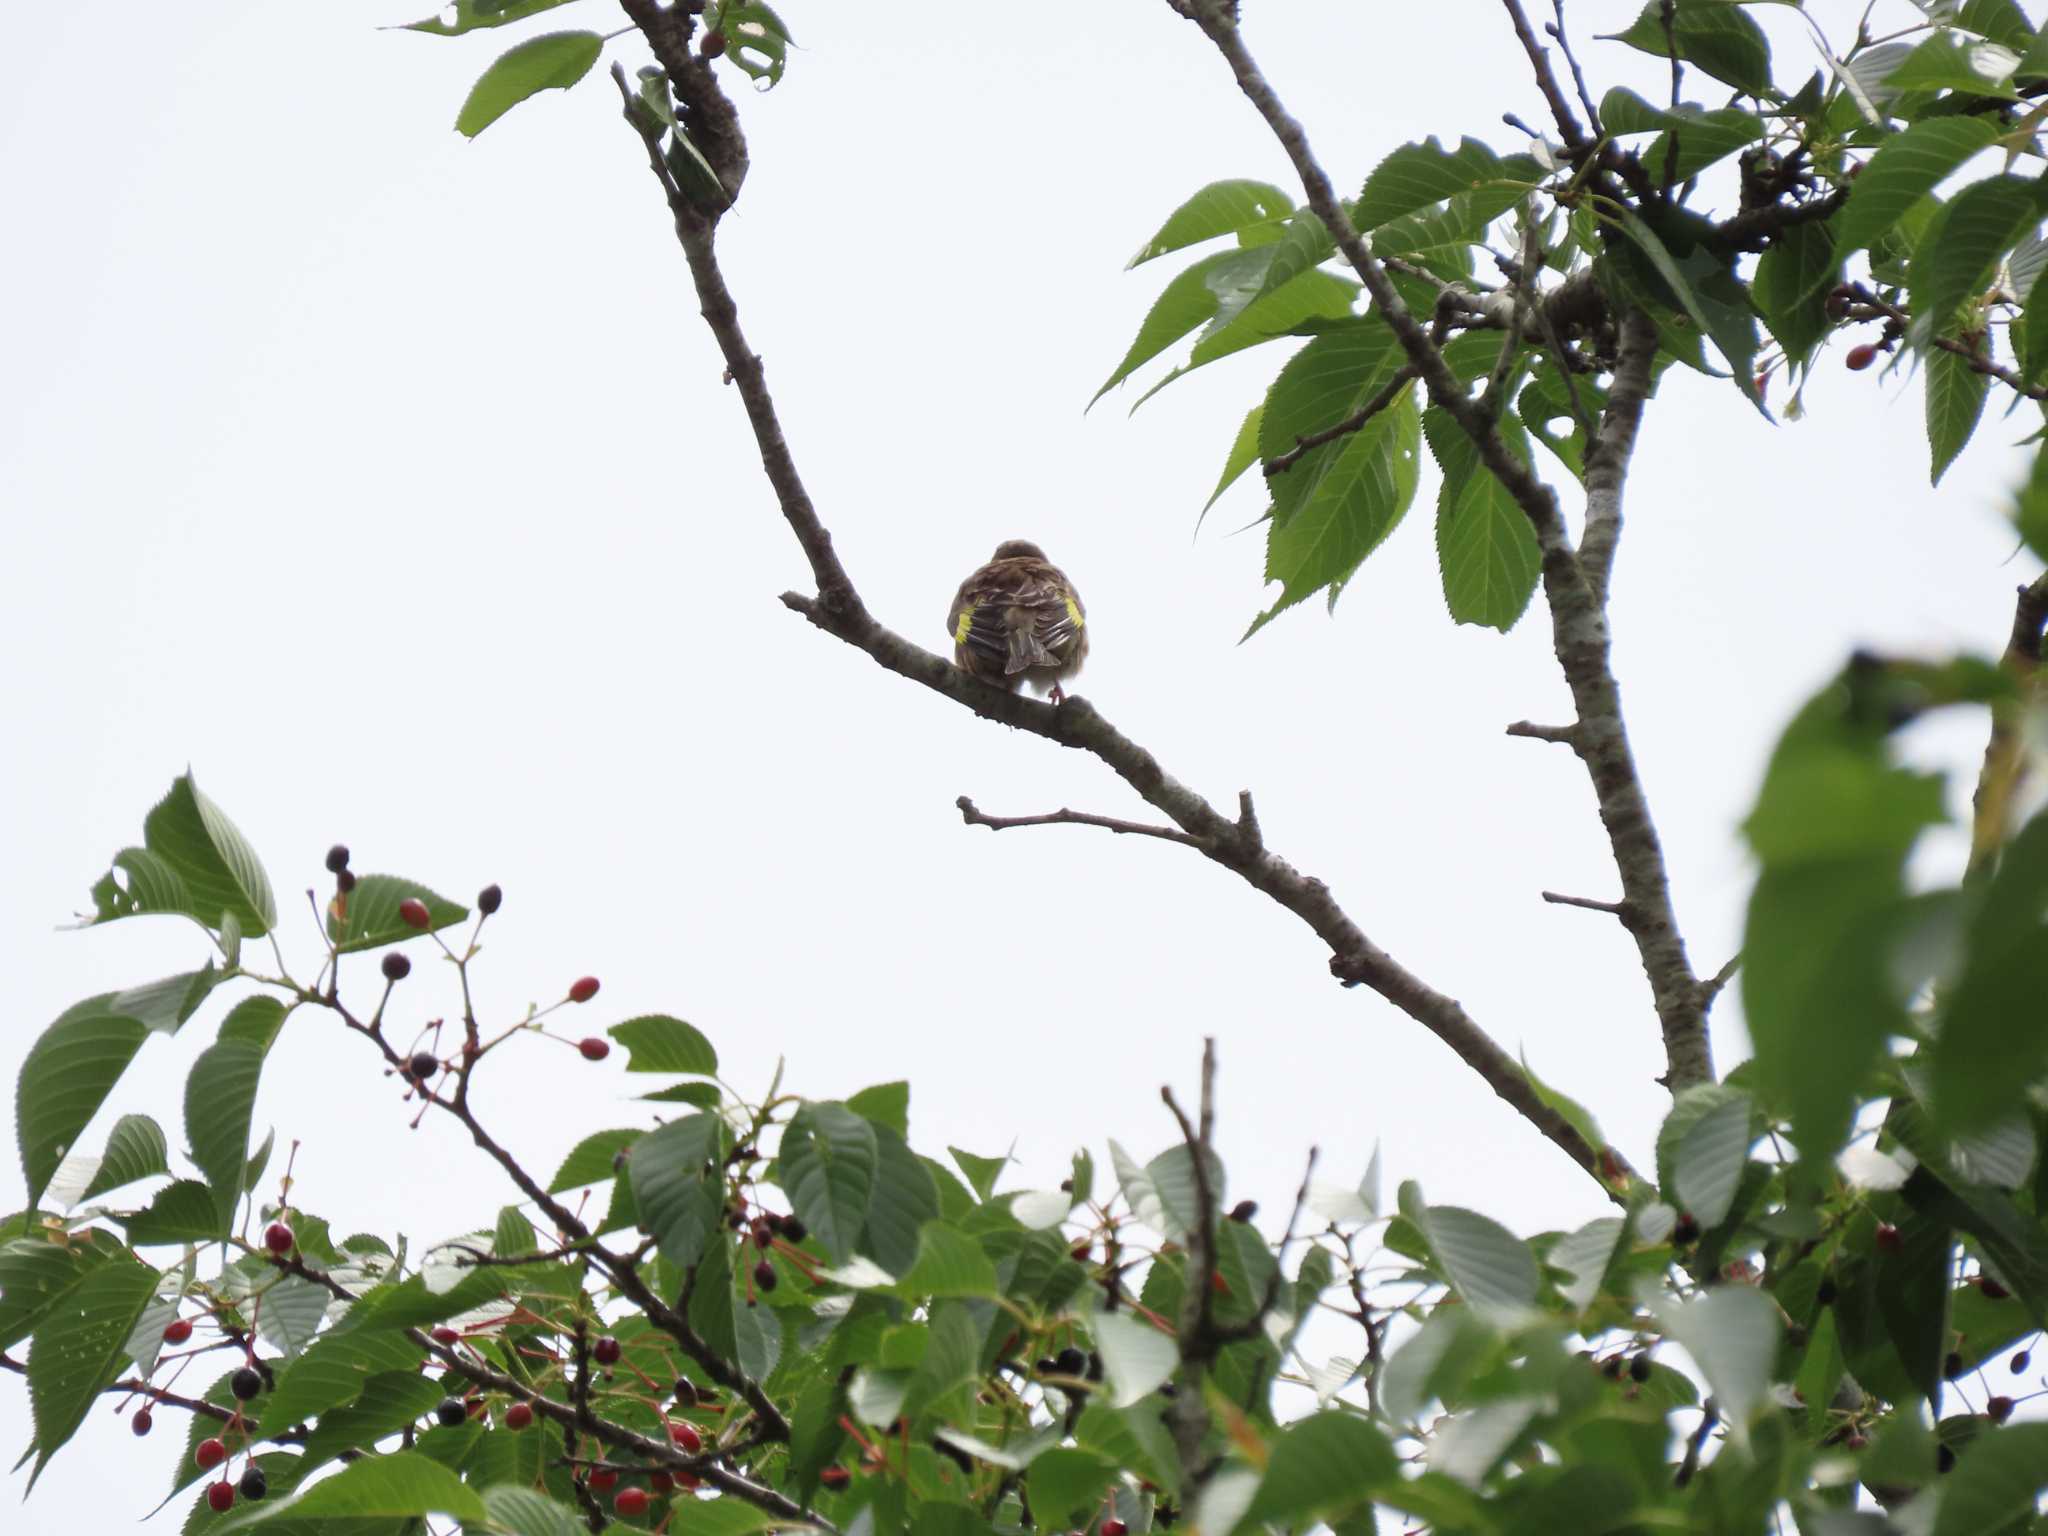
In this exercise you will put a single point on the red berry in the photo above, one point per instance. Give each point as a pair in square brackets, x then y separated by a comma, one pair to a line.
[661, 1482]
[141, 1422]
[1992, 1290]
[1888, 1239]
[1861, 356]
[631, 1501]
[446, 1335]
[220, 1497]
[835, 1477]
[277, 1237]
[687, 1437]
[602, 1479]
[209, 1453]
[414, 913]
[684, 1480]
[1114, 1528]
[518, 1415]
[605, 1350]
[583, 989]
[396, 967]
[1998, 1409]
[595, 1049]
[764, 1275]
[713, 44]
[178, 1330]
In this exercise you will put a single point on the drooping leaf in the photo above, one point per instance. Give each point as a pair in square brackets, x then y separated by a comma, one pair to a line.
[1956, 391]
[554, 61]
[677, 1186]
[1486, 549]
[37, 1275]
[136, 1150]
[1322, 1466]
[77, 1346]
[182, 1212]
[902, 1199]
[1244, 453]
[1957, 257]
[828, 1160]
[398, 1484]
[1732, 1335]
[68, 1074]
[336, 1368]
[1221, 208]
[1488, 1265]
[220, 1099]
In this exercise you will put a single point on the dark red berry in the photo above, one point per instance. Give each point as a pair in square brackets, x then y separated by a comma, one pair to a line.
[220, 1497]
[1992, 1290]
[1080, 1253]
[178, 1330]
[2019, 1362]
[518, 1415]
[1639, 1368]
[631, 1501]
[278, 1238]
[1612, 1367]
[1951, 1365]
[254, 1483]
[424, 1064]
[446, 1335]
[1244, 1210]
[594, 1049]
[661, 1482]
[1998, 1409]
[605, 1350]
[345, 881]
[142, 1422]
[245, 1383]
[1861, 356]
[1685, 1230]
[337, 858]
[451, 1411]
[1856, 1440]
[414, 914]
[764, 1275]
[1840, 297]
[602, 1479]
[1114, 1527]
[835, 1477]
[794, 1230]
[208, 1454]
[686, 1391]
[1888, 1239]
[687, 1437]
[396, 966]
[763, 1234]
[489, 899]
[582, 989]
[713, 44]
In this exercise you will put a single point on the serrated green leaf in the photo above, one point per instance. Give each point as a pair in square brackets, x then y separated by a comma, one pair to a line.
[255, 1019]
[1960, 252]
[75, 1349]
[1322, 1466]
[136, 1150]
[1066, 1483]
[68, 1074]
[1956, 392]
[1905, 169]
[1221, 208]
[677, 1186]
[220, 1100]
[904, 1197]
[1417, 176]
[1718, 38]
[37, 1275]
[1994, 1039]
[337, 1367]
[554, 61]
[658, 1043]
[886, 1104]
[182, 1212]
[1136, 1356]
[1488, 1265]
[1948, 62]
[828, 1161]
[367, 917]
[1486, 549]
[401, 1483]
[592, 1160]
[1995, 1483]
[528, 1512]
[949, 1263]
[1584, 1256]
[1731, 1333]
[472, 14]
[1710, 1159]
[293, 1309]
[1244, 452]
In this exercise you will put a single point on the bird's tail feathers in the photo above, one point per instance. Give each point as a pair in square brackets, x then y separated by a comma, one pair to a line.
[1026, 649]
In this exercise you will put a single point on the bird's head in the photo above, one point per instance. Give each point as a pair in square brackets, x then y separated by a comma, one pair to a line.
[1018, 549]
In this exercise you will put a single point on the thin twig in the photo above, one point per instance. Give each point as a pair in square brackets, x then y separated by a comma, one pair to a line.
[1556, 30]
[1279, 464]
[1250, 1326]
[1711, 988]
[1558, 735]
[1546, 78]
[974, 816]
[1611, 908]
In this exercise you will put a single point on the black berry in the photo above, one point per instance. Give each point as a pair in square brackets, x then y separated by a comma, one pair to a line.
[1070, 1361]
[337, 858]
[1686, 1230]
[396, 966]
[424, 1064]
[1639, 1368]
[141, 1422]
[1944, 1459]
[254, 1483]
[452, 1411]
[1992, 1290]
[1998, 1409]
[1951, 1365]
[794, 1230]
[2019, 1362]
[1824, 1293]
[245, 1383]
[489, 899]
[1244, 1210]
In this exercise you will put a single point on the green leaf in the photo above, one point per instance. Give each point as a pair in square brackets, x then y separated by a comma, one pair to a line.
[68, 1074]
[1994, 1038]
[220, 1099]
[658, 1043]
[136, 1150]
[1171, 1177]
[1584, 1256]
[1955, 400]
[1905, 169]
[218, 869]
[551, 62]
[255, 1019]
[367, 918]
[1945, 62]
[886, 1104]
[1732, 1335]
[1188, 302]
[1221, 208]
[1321, 1466]
[703, 1095]
[402, 1483]
[677, 1185]
[2000, 20]
[1711, 1158]
[182, 1212]
[756, 40]
[982, 1172]
[1066, 1483]
[528, 1512]
[591, 1160]
[37, 1275]
[471, 14]
[1912, 1297]
[1995, 1482]
[336, 1368]
[1710, 1154]
[293, 1309]
[1136, 1356]
[905, 1196]
[1792, 279]
[1960, 252]
[951, 1362]
[1715, 36]
[1689, 139]
[513, 1234]
[1485, 547]
[828, 1164]
[1489, 1266]
[76, 1348]
[950, 1263]
[1244, 452]
[1418, 176]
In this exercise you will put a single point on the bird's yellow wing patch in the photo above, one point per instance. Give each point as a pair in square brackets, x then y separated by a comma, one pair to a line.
[966, 623]
[1074, 613]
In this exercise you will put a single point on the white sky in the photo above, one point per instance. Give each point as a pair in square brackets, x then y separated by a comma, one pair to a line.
[387, 480]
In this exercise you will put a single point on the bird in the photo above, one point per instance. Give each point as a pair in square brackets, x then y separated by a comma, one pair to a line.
[1018, 619]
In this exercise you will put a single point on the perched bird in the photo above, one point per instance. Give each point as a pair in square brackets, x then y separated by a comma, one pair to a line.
[1018, 618]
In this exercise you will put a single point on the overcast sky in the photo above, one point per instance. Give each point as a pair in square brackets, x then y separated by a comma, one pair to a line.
[387, 480]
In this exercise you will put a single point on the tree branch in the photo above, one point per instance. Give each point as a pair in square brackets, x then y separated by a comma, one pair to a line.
[1280, 463]
[1546, 78]
[1612, 446]
[1578, 615]
[2005, 761]
[975, 817]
